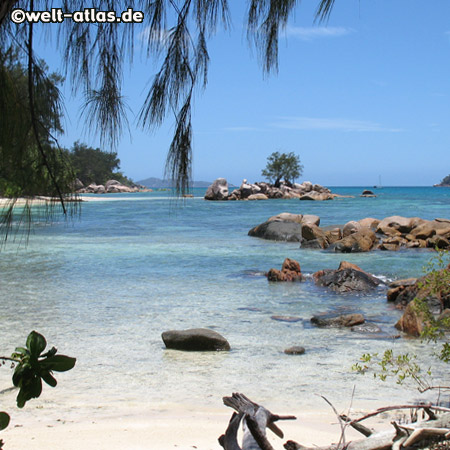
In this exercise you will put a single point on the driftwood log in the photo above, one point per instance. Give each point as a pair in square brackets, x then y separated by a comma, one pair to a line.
[256, 419]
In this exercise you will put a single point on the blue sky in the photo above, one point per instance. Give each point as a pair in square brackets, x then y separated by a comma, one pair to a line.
[365, 95]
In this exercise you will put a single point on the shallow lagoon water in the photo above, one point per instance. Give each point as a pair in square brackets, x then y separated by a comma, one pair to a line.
[106, 285]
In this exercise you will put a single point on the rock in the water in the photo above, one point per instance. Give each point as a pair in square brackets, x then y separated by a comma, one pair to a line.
[278, 231]
[345, 320]
[350, 228]
[311, 219]
[367, 193]
[290, 271]
[369, 222]
[196, 339]
[218, 190]
[437, 241]
[413, 320]
[366, 328]
[346, 280]
[317, 196]
[295, 350]
[361, 241]
[290, 319]
[286, 217]
[311, 232]
[257, 196]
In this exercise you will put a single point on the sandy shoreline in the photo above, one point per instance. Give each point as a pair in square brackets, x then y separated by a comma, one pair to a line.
[81, 198]
[182, 430]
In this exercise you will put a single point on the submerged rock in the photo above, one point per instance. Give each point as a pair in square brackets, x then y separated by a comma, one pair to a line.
[366, 328]
[289, 319]
[196, 339]
[295, 350]
[345, 320]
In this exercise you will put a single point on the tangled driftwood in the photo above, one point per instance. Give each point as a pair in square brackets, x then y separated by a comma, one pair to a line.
[256, 419]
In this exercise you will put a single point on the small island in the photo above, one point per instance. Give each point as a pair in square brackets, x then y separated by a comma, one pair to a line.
[444, 183]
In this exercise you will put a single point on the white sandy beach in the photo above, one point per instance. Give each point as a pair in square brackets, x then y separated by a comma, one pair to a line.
[182, 430]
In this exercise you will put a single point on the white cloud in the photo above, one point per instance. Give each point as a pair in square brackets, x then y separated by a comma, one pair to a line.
[310, 33]
[331, 124]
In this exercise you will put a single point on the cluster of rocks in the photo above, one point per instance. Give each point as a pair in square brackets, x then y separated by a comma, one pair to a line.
[432, 290]
[347, 277]
[391, 233]
[413, 232]
[110, 187]
[263, 191]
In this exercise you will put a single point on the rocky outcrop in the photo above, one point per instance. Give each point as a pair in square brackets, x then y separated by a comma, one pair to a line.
[290, 271]
[413, 232]
[346, 320]
[264, 191]
[218, 190]
[392, 233]
[110, 187]
[196, 339]
[347, 278]
[352, 238]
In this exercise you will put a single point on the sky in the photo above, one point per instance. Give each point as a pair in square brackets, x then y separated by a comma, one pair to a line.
[364, 96]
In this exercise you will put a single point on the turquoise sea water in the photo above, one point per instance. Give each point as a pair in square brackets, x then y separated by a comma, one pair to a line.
[104, 286]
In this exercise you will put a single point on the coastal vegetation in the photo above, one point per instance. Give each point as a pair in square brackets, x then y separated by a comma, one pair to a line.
[31, 162]
[93, 165]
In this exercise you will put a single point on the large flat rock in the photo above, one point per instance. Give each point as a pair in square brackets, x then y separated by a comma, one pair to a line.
[195, 339]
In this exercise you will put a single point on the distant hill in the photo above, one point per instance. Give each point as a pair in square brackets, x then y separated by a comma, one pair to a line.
[157, 183]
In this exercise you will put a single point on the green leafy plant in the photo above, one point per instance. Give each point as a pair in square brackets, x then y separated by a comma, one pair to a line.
[32, 366]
